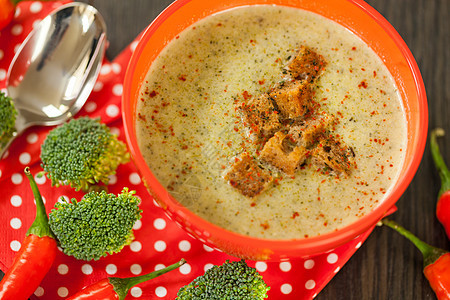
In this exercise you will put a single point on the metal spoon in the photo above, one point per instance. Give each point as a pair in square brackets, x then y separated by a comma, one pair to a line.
[54, 70]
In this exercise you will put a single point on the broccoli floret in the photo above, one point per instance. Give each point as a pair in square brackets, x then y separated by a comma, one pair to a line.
[232, 281]
[8, 114]
[97, 225]
[82, 153]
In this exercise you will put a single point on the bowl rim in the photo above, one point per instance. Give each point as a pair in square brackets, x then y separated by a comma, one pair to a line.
[310, 245]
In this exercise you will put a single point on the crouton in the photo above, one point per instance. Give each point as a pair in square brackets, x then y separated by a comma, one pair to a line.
[260, 116]
[306, 65]
[309, 132]
[333, 154]
[247, 176]
[293, 99]
[282, 154]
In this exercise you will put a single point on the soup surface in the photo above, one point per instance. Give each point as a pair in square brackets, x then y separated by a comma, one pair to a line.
[190, 133]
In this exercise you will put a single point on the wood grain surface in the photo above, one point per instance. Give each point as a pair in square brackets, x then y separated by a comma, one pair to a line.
[387, 266]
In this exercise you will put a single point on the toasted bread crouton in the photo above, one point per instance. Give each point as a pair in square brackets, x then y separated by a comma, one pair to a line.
[306, 65]
[260, 116]
[309, 132]
[247, 176]
[334, 154]
[282, 154]
[293, 99]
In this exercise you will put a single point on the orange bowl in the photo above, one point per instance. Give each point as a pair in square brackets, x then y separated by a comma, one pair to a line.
[355, 15]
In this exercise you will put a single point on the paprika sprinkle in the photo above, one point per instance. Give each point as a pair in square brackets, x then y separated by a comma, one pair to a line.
[35, 257]
[114, 288]
[436, 262]
[443, 205]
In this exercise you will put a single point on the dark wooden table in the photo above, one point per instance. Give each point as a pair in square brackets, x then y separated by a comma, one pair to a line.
[386, 266]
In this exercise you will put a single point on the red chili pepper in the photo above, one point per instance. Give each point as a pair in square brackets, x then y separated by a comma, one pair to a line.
[443, 205]
[114, 288]
[7, 8]
[436, 262]
[35, 257]
[438, 274]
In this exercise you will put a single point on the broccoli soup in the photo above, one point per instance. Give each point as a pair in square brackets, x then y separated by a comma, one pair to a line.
[272, 122]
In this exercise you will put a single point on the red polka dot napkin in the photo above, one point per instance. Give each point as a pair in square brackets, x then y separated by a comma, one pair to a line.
[159, 241]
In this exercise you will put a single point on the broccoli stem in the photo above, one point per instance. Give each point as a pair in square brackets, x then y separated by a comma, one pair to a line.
[40, 225]
[123, 285]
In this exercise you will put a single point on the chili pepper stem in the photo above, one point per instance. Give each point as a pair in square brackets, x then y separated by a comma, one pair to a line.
[40, 225]
[123, 285]
[430, 253]
[439, 162]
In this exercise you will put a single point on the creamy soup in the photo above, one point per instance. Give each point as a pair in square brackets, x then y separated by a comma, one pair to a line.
[189, 131]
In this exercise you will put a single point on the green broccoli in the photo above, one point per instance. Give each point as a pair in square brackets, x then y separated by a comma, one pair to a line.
[98, 225]
[8, 114]
[231, 281]
[82, 153]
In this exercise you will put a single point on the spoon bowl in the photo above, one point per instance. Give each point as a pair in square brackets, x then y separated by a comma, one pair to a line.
[54, 70]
